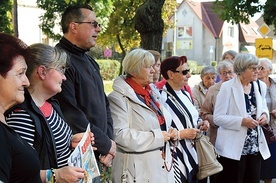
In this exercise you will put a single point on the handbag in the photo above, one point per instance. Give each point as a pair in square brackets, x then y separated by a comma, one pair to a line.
[207, 157]
[269, 134]
[206, 153]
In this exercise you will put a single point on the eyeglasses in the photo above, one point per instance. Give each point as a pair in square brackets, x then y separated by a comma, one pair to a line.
[61, 70]
[184, 72]
[95, 24]
[261, 68]
[255, 68]
[224, 73]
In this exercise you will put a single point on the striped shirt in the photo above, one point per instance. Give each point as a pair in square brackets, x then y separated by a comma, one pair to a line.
[22, 123]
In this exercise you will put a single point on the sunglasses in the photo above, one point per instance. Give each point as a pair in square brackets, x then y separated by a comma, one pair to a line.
[184, 72]
[95, 24]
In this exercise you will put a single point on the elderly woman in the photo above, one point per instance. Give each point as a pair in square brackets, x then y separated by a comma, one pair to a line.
[156, 66]
[140, 126]
[185, 117]
[42, 119]
[269, 166]
[18, 160]
[225, 70]
[240, 111]
[229, 55]
[208, 78]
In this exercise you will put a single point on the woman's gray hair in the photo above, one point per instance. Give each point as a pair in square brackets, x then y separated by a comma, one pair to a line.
[267, 63]
[137, 59]
[207, 70]
[43, 54]
[229, 52]
[225, 64]
[243, 61]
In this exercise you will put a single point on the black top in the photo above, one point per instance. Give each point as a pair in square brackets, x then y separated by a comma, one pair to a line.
[83, 100]
[18, 160]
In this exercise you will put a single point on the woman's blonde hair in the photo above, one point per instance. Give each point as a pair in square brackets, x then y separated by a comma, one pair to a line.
[136, 59]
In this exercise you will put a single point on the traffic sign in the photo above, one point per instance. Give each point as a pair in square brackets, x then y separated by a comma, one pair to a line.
[264, 29]
[264, 48]
[107, 53]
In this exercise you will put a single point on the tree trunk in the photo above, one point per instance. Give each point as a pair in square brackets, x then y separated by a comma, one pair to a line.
[15, 19]
[150, 25]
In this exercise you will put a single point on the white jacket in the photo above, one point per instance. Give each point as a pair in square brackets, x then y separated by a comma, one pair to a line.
[229, 111]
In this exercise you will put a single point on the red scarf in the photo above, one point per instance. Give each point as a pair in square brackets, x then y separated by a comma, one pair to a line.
[145, 94]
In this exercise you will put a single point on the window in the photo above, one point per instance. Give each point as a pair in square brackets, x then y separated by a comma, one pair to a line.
[230, 32]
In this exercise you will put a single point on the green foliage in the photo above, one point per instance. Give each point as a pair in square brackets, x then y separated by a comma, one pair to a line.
[194, 67]
[109, 69]
[121, 34]
[5, 16]
[214, 63]
[54, 9]
[236, 11]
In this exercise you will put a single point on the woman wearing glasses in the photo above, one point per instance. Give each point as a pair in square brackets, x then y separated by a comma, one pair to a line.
[39, 119]
[185, 117]
[269, 166]
[141, 128]
[240, 111]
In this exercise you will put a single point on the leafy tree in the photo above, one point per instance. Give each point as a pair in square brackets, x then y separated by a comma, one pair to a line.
[236, 11]
[6, 16]
[54, 10]
[121, 34]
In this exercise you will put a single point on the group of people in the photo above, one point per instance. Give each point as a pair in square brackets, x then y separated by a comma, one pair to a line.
[39, 129]
[145, 128]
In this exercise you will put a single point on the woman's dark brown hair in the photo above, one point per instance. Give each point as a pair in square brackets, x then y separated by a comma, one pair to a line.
[171, 63]
[10, 48]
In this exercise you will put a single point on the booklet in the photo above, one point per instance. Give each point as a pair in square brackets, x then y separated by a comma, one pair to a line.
[83, 156]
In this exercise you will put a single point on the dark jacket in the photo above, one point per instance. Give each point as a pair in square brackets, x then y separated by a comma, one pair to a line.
[44, 142]
[82, 98]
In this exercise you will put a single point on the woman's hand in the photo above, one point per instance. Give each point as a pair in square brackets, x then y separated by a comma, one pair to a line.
[249, 123]
[189, 133]
[173, 133]
[262, 120]
[273, 113]
[166, 136]
[204, 125]
[69, 174]
[77, 138]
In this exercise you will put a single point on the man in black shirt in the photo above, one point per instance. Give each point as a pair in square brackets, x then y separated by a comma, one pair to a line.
[82, 99]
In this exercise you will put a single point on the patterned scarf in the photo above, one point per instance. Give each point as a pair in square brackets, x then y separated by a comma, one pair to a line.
[146, 97]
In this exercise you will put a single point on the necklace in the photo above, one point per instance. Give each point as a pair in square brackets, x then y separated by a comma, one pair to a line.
[173, 154]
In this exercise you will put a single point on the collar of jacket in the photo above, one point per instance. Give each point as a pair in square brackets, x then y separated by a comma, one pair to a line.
[68, 46]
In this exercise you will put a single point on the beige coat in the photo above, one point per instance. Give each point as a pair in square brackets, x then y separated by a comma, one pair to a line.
[199, 93]
[138, 137]
[207, 110]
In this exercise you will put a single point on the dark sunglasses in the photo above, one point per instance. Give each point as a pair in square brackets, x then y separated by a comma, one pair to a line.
[94, 23]
[184, 72]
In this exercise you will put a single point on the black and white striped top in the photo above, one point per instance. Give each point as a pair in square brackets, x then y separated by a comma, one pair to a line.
[22, 123]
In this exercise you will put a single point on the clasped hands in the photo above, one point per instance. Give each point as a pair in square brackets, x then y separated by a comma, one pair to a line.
[189, 133]
[251, 123]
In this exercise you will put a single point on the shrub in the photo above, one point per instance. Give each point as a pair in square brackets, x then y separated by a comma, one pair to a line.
[214, 63]
[109, 69]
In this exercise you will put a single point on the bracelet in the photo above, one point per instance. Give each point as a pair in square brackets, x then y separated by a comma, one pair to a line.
[178, 135]
[53, 175]
[48, 175]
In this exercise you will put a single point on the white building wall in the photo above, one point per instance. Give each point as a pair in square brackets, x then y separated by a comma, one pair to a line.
[28, 23]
